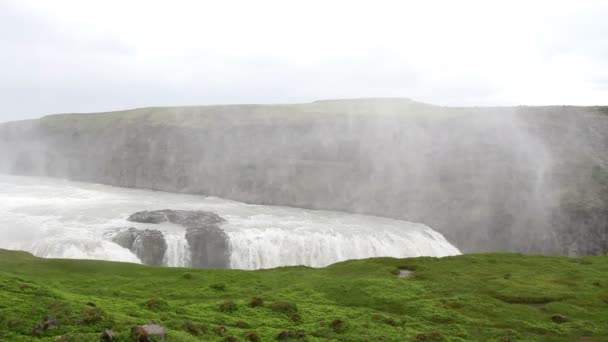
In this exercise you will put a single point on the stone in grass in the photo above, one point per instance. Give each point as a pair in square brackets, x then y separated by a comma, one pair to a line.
[242, 325]
[431, 336]
[49, 323]
[220, 331]
[253, 337]
[256, 301]
[284, 307]
[157, 304]
[218, 287]
[92, 315]
[338, 326]
[294, 316]
[285, 335]
[145, 333]
[107, 336]
[193, 328]
[557, 318]
[405, 273]
[228, 306]
[288, 334]
[385, 320]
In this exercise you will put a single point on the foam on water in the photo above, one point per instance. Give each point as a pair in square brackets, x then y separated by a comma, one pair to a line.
[264, 241]
[62, 219]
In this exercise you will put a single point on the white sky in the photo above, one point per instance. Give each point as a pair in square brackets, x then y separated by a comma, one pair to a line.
[81, 56]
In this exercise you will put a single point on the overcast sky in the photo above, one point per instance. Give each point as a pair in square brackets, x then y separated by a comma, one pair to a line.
[82, 56]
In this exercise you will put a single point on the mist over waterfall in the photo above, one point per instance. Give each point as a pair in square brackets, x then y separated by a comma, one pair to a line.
[62, 219]
[523, 179]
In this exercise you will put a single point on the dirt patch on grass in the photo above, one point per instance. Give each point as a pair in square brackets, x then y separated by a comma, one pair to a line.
[538, 306]
[530, 300]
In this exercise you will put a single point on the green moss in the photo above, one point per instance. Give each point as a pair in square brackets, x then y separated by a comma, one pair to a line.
[256, 301]
[284, 307]
[463, 298]
[432, 336]
[338, 326]
[195, 329]
[218, 287]
[228, 306]
[252, 337]
[157, 304]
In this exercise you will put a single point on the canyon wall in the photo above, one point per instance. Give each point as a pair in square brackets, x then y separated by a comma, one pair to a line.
[526, 179]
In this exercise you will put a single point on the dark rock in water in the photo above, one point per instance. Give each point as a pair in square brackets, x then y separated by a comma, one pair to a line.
[148, 217]
[195, 218]
[125, 237]
[208, 246]
[107, 336]
[48, 324]
[186, 218]
[149, 245]
[145, 333]
[208, 243]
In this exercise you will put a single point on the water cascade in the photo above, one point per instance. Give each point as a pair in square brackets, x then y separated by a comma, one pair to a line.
[64, 219]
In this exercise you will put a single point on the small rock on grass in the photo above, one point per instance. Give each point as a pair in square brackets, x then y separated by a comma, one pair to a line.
[107, 336]
[142, 333]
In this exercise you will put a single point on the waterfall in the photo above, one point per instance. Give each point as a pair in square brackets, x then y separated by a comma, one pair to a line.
[61, 219]
[78, 248]
[178, 251]
[273, 247]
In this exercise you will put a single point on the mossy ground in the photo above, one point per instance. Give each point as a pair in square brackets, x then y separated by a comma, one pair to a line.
[489, 297]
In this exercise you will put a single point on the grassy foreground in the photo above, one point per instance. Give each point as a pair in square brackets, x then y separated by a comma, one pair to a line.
[489, 297]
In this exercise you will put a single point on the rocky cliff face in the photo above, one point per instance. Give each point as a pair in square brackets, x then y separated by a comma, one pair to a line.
[487, 178]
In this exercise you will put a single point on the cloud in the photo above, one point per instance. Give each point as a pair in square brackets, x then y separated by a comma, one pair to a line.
[75, 56]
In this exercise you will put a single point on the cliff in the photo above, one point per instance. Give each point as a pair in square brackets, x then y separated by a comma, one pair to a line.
[527, 179]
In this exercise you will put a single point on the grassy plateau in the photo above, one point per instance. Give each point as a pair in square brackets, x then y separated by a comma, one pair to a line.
[483, 297]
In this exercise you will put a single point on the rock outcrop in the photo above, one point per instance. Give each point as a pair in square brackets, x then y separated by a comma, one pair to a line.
[209, 245]
[149, 245]
[148, 333]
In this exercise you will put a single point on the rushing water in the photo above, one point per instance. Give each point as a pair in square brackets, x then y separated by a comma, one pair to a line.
[63, 219]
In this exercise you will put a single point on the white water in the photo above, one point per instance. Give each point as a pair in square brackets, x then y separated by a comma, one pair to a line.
[63, 219]
[178, 251]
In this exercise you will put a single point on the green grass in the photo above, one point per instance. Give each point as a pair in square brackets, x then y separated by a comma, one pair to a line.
[247, 114]
[489, 297]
